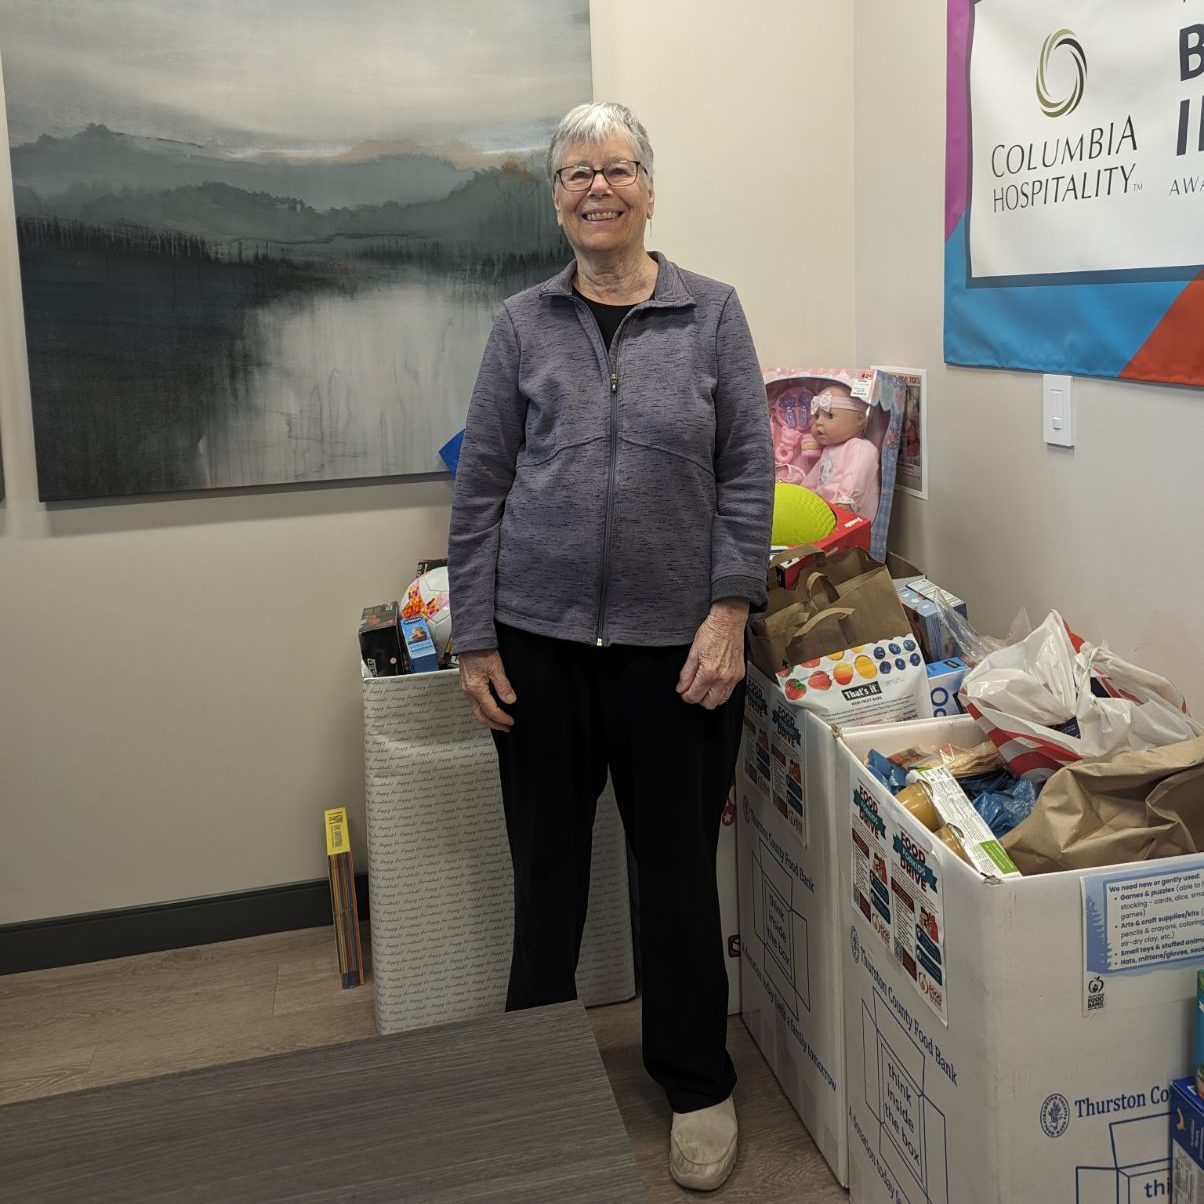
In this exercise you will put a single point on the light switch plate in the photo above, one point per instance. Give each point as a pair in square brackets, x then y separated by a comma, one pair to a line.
[1058, 420]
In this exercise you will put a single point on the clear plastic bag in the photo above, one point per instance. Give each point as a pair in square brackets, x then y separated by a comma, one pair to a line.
[974, 647]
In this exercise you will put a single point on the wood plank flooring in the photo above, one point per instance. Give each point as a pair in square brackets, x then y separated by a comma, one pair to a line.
[105, 1022]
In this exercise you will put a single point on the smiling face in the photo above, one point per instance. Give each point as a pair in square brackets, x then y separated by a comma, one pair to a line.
[603, 220]
[833, 424]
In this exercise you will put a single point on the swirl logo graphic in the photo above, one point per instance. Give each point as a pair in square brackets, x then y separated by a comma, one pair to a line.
[854, 944]
[1055, 1115]
[1052, 106]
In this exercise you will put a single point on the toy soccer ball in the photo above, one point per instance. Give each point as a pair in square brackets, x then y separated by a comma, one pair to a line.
[427, 597]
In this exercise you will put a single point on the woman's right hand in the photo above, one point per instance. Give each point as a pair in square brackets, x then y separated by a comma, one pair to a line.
[481, 677]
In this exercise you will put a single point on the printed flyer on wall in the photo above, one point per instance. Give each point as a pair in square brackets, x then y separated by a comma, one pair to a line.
[911, 469]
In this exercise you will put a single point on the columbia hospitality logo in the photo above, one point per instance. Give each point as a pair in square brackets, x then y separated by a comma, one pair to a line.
[1053, 106]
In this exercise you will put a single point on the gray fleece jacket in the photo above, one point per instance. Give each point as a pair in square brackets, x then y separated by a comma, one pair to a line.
[611, 498]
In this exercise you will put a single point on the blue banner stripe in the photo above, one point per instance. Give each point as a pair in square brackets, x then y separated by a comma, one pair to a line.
[1079, 329]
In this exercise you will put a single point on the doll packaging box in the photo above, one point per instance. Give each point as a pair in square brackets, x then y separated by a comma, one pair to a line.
[836, 432]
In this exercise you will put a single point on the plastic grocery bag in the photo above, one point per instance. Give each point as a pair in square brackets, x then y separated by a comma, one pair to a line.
[1053, 699]
[974, 646]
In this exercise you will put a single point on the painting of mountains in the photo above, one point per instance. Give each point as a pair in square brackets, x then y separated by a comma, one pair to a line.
[264, 243]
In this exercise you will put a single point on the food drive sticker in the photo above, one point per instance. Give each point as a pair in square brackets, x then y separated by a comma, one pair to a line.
[756, 734]
[786, 786]
[918, 928]
[871, 882]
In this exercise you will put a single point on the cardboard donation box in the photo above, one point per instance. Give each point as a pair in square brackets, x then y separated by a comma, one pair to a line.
[1008, 1041]
[790, 928]
[439, 864]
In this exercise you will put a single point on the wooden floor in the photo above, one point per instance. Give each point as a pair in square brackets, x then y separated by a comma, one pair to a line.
[107, 1022]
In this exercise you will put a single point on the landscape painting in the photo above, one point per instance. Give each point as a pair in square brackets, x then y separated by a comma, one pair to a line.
[263, 243]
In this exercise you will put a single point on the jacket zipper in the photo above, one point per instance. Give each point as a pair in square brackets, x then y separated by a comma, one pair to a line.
[612, 363]
[612, 360]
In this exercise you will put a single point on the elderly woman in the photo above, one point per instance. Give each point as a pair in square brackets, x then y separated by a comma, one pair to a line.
[609, 531]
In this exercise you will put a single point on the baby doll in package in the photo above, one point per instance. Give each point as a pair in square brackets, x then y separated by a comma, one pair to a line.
[846, 472]
[826, 435]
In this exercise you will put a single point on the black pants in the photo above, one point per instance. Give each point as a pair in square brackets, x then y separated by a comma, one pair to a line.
[581, 710]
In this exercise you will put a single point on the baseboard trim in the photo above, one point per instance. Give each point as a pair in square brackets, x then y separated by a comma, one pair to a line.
[97, 936]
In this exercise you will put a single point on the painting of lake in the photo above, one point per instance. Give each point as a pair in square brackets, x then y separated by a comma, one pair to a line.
[263, 243]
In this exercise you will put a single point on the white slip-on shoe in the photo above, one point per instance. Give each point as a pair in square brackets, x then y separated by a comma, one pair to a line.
[702, 1146]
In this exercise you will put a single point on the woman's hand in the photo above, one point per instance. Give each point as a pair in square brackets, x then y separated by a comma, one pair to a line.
[481, 677]
[716, 661]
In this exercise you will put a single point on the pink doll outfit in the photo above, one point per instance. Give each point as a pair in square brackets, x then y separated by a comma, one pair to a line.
[847, 475]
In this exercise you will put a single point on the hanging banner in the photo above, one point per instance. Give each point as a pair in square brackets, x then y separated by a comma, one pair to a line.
[1074, 187]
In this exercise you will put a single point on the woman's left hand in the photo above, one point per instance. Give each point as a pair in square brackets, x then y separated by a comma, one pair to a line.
[716, 660]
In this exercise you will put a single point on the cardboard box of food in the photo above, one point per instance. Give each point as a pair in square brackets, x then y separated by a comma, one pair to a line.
[1028, 1057]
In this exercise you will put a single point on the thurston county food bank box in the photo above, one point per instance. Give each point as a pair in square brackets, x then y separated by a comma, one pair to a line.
[790, 922]
[1007, 1042]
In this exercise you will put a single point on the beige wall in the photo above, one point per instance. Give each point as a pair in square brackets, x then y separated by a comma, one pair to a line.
[752, 159]
[1109, 532]
[179, 696]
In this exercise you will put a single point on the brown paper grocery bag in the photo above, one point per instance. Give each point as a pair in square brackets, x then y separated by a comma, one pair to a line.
[842, 600]
[866, 586]
[790, 635]
[1133, 807]
[821, 634]
[779, 595]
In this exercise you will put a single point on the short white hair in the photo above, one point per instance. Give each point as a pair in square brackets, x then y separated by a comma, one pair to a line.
[595, 122]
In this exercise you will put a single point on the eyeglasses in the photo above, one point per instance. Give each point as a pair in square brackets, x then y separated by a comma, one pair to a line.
[577, 177]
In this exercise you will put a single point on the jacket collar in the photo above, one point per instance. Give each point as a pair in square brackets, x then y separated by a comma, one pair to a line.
[670, 290]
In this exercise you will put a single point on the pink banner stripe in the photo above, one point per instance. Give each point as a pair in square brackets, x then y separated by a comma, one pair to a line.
[957, 111]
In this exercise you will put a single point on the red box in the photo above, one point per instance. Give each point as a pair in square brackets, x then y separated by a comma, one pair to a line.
[851, 531]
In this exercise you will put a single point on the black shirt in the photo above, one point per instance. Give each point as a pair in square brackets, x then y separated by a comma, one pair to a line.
[608, 317]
